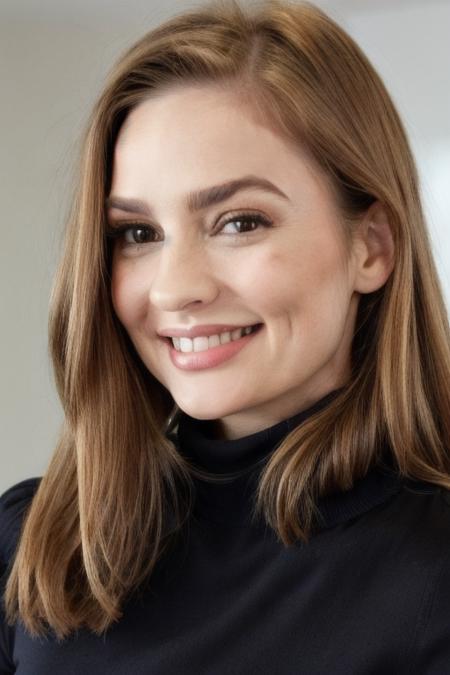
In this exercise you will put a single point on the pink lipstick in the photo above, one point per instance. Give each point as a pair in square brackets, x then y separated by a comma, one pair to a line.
[211, 357]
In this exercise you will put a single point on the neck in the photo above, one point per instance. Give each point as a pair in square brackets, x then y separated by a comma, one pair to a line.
[243, 424]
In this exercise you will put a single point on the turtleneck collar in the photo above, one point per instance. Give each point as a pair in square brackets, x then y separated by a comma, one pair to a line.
[222, 456]
[237, 463]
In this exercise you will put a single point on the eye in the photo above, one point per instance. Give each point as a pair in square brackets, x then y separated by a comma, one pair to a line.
[136, 233]
[249, 221]
[132, 233]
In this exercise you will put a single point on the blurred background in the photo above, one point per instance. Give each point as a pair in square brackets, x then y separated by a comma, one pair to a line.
[54, 56]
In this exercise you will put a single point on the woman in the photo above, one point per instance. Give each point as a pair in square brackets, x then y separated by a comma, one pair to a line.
[276, 501]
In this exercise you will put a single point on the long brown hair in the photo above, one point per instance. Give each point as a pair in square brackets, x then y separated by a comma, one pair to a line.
[100, 518]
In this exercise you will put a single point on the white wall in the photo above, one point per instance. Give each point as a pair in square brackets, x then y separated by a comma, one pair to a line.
[410, 47]
[53, 58]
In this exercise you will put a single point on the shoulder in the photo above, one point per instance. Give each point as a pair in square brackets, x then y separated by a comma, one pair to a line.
[425, 508]
[432, 500]
[431, 646]
[13, 503]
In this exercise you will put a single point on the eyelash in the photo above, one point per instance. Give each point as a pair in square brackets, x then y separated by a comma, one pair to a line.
[118, 231]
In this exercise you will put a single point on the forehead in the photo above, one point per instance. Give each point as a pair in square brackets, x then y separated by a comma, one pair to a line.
[205, 120]
[194, 136]
[189, 105]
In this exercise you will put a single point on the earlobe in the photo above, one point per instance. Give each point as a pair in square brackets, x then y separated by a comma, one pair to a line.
[374, 249]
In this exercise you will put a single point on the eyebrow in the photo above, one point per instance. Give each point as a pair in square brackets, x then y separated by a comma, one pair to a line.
[200, 199]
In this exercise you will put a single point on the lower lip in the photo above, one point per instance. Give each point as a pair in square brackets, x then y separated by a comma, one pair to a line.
[210, 357]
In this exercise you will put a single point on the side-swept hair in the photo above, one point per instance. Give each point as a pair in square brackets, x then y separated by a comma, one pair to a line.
[99, 520]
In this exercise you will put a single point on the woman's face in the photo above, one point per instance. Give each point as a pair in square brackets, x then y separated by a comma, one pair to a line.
[284, 265]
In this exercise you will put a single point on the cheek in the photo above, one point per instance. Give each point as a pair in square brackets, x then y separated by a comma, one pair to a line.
[328, 297]
[262, 279]
[307, 277]
[127, 293]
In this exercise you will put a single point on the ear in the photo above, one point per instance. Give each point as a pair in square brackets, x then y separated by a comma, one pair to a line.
[373, 250]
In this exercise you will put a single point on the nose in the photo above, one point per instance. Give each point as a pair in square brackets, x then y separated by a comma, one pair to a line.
[183, 275]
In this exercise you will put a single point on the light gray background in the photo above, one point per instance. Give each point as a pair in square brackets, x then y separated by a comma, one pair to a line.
[54, 55]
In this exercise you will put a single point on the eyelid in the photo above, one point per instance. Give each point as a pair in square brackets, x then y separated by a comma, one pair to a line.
[115, 229]
[114, 223]
[240, 213]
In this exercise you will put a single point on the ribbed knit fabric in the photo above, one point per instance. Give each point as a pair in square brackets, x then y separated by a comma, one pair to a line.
[231, 501]
[368, 595]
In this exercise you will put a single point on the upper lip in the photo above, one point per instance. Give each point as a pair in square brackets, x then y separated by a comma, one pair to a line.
[197, 331]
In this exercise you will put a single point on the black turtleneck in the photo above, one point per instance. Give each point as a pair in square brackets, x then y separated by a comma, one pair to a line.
[241, 460]
[368, 594]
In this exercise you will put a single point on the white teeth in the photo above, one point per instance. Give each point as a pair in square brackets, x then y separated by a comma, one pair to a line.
[213, 340]
[224, 337]
[200, 344]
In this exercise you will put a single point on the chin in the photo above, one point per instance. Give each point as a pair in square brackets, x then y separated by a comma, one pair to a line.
[205, 412]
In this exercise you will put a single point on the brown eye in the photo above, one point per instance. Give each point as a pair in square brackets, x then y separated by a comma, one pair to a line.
[138, 235]
[246, 223]
[132, 234]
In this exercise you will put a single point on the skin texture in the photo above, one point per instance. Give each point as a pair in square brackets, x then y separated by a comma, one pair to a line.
[295, 277]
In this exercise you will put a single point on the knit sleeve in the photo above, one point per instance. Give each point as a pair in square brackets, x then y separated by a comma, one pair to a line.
[13, 504]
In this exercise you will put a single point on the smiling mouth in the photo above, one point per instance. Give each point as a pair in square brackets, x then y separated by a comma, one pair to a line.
[225, 338]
